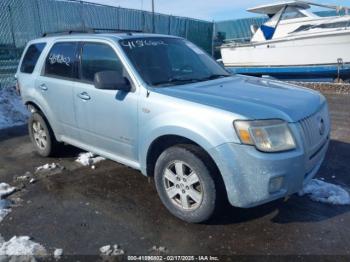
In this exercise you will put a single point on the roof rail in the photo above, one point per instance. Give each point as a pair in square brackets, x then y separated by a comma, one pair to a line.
[92, 31]
[69, 32]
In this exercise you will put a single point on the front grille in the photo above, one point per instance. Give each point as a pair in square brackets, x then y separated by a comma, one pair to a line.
[311, 127]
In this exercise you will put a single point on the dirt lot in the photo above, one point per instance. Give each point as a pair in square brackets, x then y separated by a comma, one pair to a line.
[81, 209]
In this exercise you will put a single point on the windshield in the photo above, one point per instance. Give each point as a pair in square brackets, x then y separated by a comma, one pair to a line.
[162, 61]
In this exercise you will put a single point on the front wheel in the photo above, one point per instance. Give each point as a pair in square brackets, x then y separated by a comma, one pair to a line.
[185, 184]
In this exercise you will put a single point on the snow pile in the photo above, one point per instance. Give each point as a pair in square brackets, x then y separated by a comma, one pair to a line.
[57, 254]
[12, 111]
[48, 167]
[111, 251]
[5, 190]
[21, 246]
[87, 159]
[321, 191]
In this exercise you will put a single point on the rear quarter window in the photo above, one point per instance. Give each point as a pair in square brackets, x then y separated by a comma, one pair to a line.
[61, 60]
[31, 57]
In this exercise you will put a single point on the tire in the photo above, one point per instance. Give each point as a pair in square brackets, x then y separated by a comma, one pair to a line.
[40, 131]
[191, 201]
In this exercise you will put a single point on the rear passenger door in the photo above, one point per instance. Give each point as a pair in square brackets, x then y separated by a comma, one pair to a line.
[107, 119]
[56, 84]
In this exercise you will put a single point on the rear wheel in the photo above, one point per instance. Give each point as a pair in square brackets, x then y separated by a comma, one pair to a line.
[185, 184]
[41, 135]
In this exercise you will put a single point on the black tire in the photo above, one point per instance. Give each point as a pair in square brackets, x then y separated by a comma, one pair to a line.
[194, 158]
[51, 145]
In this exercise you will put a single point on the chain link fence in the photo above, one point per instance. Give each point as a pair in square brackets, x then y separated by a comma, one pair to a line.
[24, 20]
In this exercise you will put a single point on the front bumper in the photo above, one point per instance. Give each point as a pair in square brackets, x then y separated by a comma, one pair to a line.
[248, 173]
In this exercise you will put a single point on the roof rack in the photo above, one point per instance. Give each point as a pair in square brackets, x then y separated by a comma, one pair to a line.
[92, 31]
[69, 32]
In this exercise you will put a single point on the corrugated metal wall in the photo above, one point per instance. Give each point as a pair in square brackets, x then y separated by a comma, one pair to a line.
[23, 20]
[239, 28]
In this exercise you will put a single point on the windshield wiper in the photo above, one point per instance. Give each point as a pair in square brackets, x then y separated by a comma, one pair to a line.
[179, 81]
[176, 81]
[215, 76]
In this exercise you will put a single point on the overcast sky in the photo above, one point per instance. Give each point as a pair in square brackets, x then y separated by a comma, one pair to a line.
[202, 9]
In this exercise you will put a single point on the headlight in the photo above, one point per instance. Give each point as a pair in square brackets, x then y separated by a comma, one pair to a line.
[265, 135]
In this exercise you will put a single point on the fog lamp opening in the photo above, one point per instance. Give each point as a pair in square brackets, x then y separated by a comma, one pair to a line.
[276, 184]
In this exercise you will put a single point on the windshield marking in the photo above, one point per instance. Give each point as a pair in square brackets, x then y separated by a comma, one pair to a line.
[142, 43]
[59, 58]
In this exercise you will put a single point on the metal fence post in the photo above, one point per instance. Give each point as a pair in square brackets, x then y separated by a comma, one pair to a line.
[39, 17]
[169, 24]
[118, 17]
[82, 15]
[11, 26]
[153, 19]
[213, 40]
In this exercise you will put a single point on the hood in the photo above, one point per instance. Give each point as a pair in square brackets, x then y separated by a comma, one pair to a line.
[252, 98]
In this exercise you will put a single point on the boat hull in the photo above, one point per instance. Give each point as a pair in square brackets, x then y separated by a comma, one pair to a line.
[314, 73]
[312, 56]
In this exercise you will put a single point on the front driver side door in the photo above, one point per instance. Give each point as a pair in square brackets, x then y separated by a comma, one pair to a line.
[107, 119]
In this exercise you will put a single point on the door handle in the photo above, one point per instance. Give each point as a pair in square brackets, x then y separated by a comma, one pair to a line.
[84, 96]
[43, 87]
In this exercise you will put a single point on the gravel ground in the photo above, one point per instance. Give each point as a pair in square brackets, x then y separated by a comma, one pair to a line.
[328, 88]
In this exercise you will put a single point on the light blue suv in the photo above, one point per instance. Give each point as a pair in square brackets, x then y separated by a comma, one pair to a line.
[161, 105]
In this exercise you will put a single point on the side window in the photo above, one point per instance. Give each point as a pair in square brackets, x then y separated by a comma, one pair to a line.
[291, 13]
[97, 57]
[61, 60]
[31, 57]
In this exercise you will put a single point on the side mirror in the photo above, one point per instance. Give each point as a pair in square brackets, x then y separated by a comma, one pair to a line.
[220, 62]
[111, 80]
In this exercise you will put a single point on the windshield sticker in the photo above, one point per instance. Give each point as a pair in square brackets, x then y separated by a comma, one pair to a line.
[195, 48]
[142, 43]
[59, 59]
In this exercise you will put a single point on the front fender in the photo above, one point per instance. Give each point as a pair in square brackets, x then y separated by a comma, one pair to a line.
[197, 129]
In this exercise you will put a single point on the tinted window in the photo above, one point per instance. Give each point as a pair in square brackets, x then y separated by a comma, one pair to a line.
[61, 60]
[97, 58]
[341, 24]
[31, 57]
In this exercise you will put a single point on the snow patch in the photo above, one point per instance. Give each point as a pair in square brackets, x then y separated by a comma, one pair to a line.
[21, 246]
[58, 253]
[324, 192]
[159, 249]
[87, 159]
[48, 167]
[12, 110]
[6, 189]
[108, 250]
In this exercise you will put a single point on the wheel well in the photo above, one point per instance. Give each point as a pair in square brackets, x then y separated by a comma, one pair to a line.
[32, 107]
[162, 143]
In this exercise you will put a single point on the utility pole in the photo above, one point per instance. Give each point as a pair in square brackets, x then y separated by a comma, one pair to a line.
[153, 16]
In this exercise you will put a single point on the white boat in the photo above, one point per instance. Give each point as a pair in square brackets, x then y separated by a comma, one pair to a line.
[294, 42]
